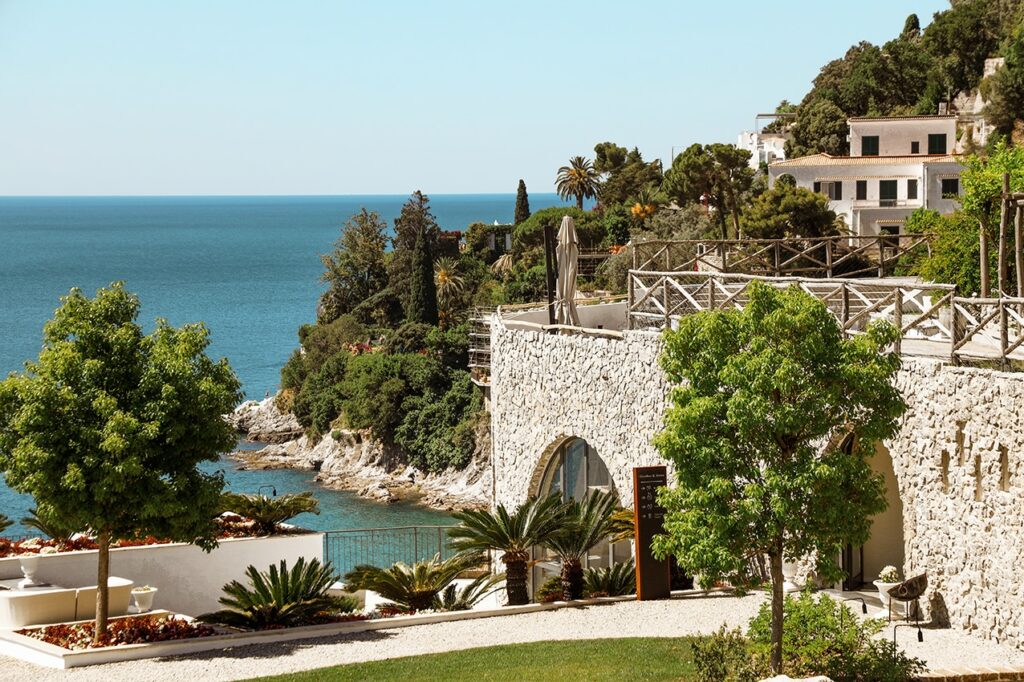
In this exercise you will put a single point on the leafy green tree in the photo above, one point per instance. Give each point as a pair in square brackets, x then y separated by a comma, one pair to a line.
[522, 204]
[513, 534]
[625, 176]
[583, 525]
[414, 224]
[423, 295]
[955, 253]
[355, 269]
[1005, 88]
[717, 172]
[819, 127]
[689, 222]
[771, 425]
[107, 428]
[268, 513]
[960, 39]
[788, 211]
[579, 179]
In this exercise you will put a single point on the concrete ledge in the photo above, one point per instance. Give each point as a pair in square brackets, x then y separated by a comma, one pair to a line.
[975, 674]
[51, 656]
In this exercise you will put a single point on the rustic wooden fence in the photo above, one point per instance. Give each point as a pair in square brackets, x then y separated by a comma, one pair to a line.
[848, 256]
[932, 320]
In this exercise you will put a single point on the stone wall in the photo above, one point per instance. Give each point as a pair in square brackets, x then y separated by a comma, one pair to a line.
[964, 525]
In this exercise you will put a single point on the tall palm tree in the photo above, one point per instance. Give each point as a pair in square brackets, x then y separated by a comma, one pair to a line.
[532, 523]
[578, 179]
[450, 285]
[584, 524]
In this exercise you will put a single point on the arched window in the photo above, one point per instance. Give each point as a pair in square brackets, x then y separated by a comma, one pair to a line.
[574, 470]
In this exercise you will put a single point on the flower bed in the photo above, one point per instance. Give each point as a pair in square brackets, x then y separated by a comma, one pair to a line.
[231, 526]
[122, 631]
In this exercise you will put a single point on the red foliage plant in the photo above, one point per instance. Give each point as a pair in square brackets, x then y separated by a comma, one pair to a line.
[122, 631]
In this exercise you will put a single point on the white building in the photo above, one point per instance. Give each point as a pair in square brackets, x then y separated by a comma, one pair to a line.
[765, 147]
[899, 164]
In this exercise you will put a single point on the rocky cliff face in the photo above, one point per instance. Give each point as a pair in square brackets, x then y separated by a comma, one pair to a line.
[349, 460]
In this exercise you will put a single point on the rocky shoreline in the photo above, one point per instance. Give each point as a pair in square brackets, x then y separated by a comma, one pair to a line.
[349, 460]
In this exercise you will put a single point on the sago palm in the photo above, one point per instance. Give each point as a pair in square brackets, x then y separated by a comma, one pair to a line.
[578, 179]
[280, 597]
[48, 526]
[584, 524]
[267, 513]
[5, 523]
[532, 523]
[616, 581]
[452, 598]
[412, 587]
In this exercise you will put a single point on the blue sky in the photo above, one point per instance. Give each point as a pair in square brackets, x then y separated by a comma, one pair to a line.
[247, 97]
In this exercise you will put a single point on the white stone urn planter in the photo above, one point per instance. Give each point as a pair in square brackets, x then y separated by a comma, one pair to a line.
[789, 571]
[883, 592]
[144, 598]
[29, 565]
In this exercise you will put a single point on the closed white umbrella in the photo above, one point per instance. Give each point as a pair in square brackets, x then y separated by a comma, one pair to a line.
[567, 252]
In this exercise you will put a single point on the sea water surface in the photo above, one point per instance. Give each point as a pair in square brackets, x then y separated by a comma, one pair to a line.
[248, 267]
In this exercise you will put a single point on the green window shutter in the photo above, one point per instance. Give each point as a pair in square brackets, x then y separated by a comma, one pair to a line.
[862, 190]
[911, 189]
[915, 147]
[837, 191]
[886, 192]
[950, 188]
[869, 145]
[937, 144]
[817, 188]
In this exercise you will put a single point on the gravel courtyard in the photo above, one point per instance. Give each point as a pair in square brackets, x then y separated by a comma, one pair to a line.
[680, 616]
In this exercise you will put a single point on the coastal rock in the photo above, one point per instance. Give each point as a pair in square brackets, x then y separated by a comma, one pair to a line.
[353, 460]
[262, 422]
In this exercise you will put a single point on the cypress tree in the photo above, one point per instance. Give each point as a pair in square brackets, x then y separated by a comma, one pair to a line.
[522, 203]
[423, 298]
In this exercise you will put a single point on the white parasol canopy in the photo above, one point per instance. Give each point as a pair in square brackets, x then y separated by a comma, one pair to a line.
[567, 252]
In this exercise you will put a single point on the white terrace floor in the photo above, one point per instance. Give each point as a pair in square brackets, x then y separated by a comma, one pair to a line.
[680, 616]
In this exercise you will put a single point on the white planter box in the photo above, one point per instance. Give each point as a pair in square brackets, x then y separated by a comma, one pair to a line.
[189, 579]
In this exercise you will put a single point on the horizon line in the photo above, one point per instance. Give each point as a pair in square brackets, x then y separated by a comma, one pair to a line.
[228, 196]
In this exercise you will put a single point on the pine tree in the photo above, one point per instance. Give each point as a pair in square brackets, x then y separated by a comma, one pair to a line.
[423, 298]
[522, 203]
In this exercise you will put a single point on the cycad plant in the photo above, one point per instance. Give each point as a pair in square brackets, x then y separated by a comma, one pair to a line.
[623, 525]
[412, 587]
[268, 513]
[454, 599]
[532, 523]
[5, 523]
[616, 581]
[584, 524]
[48, 526]
[280, 597]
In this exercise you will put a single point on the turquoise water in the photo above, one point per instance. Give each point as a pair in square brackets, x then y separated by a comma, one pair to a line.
[246, 266]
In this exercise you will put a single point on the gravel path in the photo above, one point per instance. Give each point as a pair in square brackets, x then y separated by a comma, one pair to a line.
[681, 616]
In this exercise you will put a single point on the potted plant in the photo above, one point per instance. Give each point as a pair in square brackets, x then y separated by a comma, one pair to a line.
[143, 597]
[888, 578]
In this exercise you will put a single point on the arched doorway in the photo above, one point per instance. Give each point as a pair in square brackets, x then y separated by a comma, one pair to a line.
[572, 469]
[885, 546]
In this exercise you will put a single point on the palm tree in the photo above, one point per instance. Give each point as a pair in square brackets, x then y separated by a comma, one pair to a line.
[280, 597]
[414, 587]
[532, 523]
[455, 599]
[267, 513]
[48, 526]
[5, 523]
[578, 179]
[449, 286]
[584, 524]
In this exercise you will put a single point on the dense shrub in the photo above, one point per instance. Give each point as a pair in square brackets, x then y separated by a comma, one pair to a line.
[411, 337]
[724, 656]
[529, 234]
[436, 432]
[549, 591]
[824, 637]
[527, 286]
[321, 341]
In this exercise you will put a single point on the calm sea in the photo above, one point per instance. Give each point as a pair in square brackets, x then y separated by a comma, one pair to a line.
[246, 266]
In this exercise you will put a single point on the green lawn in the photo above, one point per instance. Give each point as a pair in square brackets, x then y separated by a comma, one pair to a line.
[594, 659]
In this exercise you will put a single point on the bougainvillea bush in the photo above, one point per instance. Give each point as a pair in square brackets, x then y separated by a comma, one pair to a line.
[135, 630]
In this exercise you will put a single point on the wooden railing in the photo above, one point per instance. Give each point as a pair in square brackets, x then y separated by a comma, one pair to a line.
[844, 256]
[932, 320]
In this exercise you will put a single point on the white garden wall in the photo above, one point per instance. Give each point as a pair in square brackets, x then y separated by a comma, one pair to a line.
[189, 580]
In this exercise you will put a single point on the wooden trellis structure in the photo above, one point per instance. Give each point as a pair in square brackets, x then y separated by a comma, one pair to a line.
[846, 256]
[933, 321]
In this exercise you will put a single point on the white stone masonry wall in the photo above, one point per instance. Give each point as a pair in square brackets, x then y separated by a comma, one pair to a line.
[965, 527]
